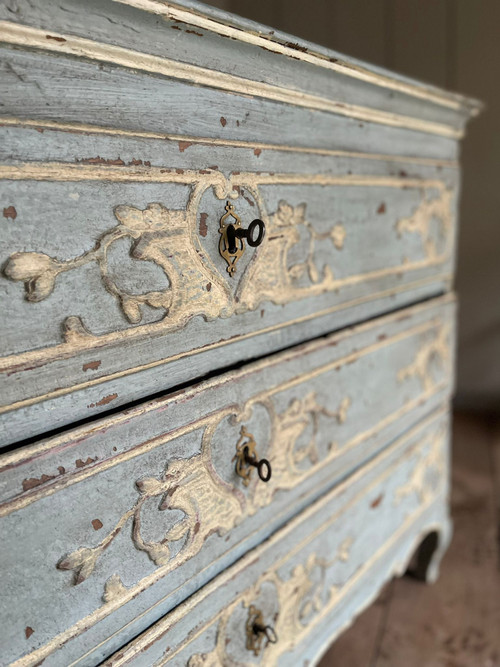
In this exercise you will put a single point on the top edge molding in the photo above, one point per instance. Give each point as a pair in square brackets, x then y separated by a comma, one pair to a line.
[244, 30]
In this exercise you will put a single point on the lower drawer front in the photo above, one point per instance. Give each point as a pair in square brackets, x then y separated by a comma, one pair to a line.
[112, 525]
[309, 580]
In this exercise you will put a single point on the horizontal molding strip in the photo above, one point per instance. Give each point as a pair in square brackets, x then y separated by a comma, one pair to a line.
[81, 128]
[18, 456]
[67, 171]
[175, 13]
[20, 35]
[34, 658]
[28, 497]
[448, 277]
[70, 172]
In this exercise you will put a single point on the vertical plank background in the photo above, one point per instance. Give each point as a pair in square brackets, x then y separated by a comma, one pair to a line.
[454, 44]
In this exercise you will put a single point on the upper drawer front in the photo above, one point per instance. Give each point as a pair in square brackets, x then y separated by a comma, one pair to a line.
[111, 525]
[116, 289]
[311, 578]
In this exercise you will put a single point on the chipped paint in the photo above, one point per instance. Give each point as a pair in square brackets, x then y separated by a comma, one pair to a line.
[32, 482]
[376, 502]
[10, 212]
[91, 366]
[104, 401]
[81, 464]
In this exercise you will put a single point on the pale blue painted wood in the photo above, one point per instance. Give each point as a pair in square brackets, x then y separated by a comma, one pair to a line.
[335, 558]
[57, 215]
[317, 412]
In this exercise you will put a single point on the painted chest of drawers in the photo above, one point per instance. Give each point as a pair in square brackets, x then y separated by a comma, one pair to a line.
[227, 335]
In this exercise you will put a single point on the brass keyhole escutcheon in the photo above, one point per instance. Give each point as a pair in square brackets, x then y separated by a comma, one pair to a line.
[256, 631]
[233, 236]
[246, 459]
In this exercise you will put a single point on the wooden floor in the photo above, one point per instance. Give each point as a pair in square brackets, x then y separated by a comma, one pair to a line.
[455, 622]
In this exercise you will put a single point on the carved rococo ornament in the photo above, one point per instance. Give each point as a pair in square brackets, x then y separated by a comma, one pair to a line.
[208, 504]
[196, 287]
[299, 599]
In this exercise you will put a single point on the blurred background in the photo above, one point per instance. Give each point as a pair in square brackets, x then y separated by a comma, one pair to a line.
[453, 44]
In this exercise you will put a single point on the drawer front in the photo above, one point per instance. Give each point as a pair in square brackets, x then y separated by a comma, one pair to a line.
[112, 202]
[113, 524]
[316, 574]
[116, 286]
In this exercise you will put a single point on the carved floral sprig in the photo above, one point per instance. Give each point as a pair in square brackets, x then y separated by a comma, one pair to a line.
[293, 216]
[83, 560]
[420, 221]
[308, 410]
[39, 271]
[435, 350]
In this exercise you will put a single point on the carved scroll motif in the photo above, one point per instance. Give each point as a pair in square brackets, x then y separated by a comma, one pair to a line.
[304, 598]
[420, 222]
[208, 504]
[298, 599]
[189, 485]
[428, 471]
[211, 505]
[433, 351]
[196, 286]
[166, 237]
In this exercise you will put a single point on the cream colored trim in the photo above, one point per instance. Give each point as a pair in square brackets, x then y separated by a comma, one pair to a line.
[67, 171]
[17, 456]
[232, 143]
[176, 13]
[129, 371]
[26, 498]
[210, 178]
[25, 36]
[40, 654]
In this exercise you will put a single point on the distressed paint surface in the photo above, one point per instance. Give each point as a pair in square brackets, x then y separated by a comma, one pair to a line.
[82, 301]
[161, 479]
[110, 313]
[309, 586]
[112, 186]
